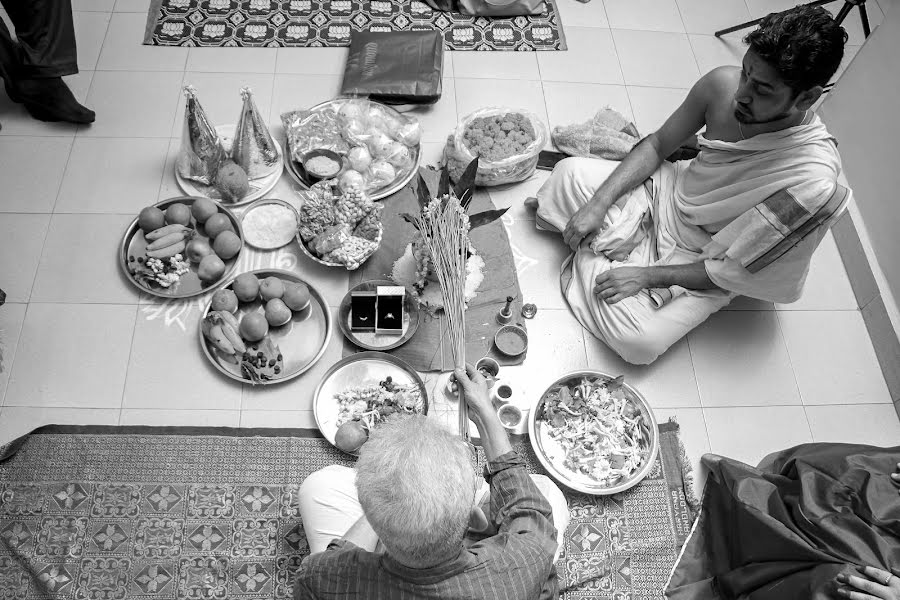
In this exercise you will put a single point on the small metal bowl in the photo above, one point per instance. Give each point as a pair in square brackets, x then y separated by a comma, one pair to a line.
[500, 340]
[331, 154]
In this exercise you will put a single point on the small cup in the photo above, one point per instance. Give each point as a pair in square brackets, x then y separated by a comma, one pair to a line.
[510, 416]
[503, 394]
[490, 368]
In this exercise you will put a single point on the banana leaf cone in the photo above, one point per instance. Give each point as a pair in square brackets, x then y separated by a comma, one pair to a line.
[201, 151]
[254, 149]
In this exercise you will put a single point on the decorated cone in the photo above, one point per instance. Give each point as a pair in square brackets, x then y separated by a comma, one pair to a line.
[201, 152]
[253, 149]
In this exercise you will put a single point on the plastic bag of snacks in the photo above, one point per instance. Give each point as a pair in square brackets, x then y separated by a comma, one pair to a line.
[507, 142]
[312, 130]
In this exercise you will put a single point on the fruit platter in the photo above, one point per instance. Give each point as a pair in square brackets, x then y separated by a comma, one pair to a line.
[265, 327]
[360, 391]
[181, 247]
[339, 228]
[594, 433]
[379, 149]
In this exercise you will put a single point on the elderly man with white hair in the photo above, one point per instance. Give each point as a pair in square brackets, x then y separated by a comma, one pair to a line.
[409, 521]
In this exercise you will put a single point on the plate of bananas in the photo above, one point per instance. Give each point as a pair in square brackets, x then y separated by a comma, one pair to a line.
[181, 247]
[265, 327]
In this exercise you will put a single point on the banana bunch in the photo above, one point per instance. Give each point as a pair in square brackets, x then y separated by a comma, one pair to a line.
[221, 329]
[168, 241]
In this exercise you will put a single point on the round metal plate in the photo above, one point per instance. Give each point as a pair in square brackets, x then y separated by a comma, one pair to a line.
[302, 341]
[134, 245]
[315, 258]
[258, 187]
[298, 173]
[263, 202]
[379, 341]
[358, 369]
[576, 481]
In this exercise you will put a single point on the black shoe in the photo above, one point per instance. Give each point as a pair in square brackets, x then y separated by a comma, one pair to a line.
[49, 100]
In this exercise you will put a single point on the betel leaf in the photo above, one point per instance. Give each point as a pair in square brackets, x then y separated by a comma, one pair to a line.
[444, 185]
[422, 192]
[483, 218]
[411, 219]
[465, 187]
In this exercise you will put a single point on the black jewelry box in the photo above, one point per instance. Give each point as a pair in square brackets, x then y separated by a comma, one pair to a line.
[390, 309]
[363, 310]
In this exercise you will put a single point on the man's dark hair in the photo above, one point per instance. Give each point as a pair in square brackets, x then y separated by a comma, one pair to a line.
[804, 44]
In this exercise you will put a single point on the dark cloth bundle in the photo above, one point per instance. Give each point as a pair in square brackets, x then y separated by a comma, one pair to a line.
[396, 67]
[786, 528]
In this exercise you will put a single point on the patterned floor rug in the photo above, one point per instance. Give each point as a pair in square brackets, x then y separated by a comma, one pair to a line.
[322, 23]
[107, 513]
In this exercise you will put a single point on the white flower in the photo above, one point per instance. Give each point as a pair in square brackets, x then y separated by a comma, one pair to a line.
[503, 34]
[179, 3]
[301, 5]
[380, 7]
[339, 31]
[341, 5]
[260, 4]
[219, 4]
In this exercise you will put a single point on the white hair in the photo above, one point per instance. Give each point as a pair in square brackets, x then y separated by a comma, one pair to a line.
[416, 485]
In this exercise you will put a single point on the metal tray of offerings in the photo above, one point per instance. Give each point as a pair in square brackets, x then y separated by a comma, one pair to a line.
[552, 455]
[302, 341]
[299, 174]
[133, 248]
[363, 368]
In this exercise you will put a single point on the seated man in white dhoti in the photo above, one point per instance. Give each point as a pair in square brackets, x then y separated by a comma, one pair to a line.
[659, 247]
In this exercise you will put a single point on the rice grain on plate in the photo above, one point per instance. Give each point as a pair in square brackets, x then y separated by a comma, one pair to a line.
[270, 226]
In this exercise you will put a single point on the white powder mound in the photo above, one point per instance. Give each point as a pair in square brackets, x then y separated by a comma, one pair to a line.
[270, 226]
[404, 273]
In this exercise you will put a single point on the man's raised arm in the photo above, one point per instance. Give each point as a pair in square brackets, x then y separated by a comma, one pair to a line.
[641, 162]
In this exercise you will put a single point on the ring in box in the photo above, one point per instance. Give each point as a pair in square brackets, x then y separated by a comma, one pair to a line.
[389, 319]
[363, 310]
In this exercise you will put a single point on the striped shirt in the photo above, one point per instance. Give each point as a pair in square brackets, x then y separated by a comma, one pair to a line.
[514, 564]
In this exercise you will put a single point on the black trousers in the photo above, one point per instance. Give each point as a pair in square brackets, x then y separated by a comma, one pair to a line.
[46, 39]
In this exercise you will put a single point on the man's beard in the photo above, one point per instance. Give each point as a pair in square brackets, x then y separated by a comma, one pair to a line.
[745, 119]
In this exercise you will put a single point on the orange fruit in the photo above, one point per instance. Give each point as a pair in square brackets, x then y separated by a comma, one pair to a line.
[271, 287]
[178, 213]
[151, 218]
[224, 300]
[296, 296]
[216, 224]
[203, 209]
[350, 436]
[227, 245]
[254, 327]
[277, 313]
[246, 287]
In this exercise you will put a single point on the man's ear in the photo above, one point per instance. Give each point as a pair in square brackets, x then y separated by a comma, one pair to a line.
[806, 99]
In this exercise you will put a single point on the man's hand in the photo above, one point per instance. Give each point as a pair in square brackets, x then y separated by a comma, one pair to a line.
[475, 390]
[494, 439]
[874, 585]
[585, 223]
[620, 283]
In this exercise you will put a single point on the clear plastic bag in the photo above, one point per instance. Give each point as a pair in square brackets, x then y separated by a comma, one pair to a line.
[312, 130]
[514, 168]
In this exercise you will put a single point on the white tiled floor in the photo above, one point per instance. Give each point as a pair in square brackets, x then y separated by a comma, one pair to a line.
[82, 347]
